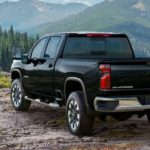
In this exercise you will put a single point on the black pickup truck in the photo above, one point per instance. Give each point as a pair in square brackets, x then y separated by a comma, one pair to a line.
[91, 74]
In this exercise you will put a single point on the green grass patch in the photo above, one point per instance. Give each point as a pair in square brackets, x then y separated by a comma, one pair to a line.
[4, 80]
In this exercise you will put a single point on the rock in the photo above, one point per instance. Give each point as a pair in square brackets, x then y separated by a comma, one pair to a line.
[3, 147]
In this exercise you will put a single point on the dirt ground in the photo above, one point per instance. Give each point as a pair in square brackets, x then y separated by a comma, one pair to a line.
[44, 128]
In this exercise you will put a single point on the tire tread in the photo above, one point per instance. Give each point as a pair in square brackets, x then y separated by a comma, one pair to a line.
[87, 122]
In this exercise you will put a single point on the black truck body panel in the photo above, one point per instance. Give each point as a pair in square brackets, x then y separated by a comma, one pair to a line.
[129, 76]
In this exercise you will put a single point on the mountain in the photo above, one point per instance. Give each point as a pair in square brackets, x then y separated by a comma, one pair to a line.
[130, 16]
[138, 34]
[105, 14]
[26, 14]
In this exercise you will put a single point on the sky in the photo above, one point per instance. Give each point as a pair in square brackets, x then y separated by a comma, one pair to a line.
[88, 2]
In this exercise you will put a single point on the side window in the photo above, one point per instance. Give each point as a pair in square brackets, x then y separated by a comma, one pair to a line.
[36, 53]
[52, 47]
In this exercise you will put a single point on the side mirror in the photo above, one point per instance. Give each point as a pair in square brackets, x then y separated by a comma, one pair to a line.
[24, 58]
[17, 53]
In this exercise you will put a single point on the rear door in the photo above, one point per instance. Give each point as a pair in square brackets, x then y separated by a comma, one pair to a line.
[46, 70]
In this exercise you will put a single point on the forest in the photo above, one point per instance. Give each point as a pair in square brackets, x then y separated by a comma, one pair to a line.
[10, 39]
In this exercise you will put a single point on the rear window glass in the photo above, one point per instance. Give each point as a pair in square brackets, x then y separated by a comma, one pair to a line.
[97, 47]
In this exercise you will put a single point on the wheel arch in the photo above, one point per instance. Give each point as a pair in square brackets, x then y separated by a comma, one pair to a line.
[77, 82]
[16, 74]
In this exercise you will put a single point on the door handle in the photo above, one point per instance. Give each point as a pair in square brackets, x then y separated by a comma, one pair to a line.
[50, 65]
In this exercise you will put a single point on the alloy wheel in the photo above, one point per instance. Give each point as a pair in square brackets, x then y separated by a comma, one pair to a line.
[16, 95]
[73, 114]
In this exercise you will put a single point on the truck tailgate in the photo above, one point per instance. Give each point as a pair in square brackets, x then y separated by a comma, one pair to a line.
[130, 74]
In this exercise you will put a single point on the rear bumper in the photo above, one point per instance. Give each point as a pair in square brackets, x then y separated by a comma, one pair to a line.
[121, 104]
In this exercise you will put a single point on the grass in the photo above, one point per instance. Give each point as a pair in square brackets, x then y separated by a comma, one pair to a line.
[4, 80]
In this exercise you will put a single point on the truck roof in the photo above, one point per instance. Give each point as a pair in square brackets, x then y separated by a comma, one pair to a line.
[86, 33]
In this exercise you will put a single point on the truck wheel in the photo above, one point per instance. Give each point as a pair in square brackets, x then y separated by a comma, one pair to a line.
[17, 96]
[78, 121]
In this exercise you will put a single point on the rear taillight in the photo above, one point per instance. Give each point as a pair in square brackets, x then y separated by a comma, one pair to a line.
[105, 80]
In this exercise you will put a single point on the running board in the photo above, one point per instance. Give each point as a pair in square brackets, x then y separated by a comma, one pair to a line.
[53, 105]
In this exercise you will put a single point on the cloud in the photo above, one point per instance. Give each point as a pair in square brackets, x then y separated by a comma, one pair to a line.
[8, 1]
[88, 2]
[78, 1]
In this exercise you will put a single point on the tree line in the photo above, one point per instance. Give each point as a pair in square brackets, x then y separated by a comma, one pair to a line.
[10, 39]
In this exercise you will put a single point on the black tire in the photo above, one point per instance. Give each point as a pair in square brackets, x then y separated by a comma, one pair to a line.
[78, 121]
[18, 96]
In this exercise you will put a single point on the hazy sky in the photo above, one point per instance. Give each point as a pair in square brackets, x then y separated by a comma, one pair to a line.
[89, 2]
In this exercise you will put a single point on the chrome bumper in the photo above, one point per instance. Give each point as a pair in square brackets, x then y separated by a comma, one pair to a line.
[129, 104]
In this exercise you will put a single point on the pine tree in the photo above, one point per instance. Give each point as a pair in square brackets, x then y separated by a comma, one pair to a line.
[10, 39]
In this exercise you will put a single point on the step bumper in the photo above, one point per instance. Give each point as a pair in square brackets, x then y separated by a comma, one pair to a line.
[121, 104]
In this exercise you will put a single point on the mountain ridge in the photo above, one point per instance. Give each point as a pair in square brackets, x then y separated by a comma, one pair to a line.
[131, 17]
[25, 14]
[108, 16]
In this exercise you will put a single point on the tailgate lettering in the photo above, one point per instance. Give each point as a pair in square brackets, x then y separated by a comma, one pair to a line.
[123, 87]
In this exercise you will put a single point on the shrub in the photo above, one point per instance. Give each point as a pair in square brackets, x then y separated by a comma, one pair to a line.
[4, 80]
